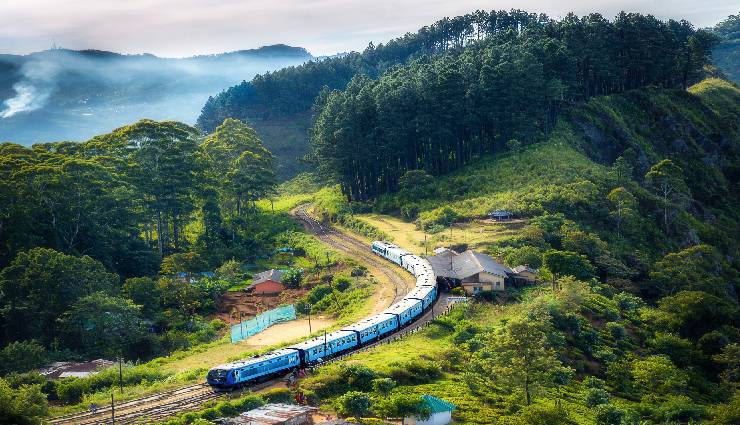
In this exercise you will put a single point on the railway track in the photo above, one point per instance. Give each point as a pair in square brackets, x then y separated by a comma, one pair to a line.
[357, 248]
[160, 406]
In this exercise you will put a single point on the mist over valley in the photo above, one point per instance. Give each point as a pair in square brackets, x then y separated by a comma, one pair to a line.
[61, 94]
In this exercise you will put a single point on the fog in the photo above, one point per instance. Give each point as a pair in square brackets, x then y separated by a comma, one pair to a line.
[69, 95]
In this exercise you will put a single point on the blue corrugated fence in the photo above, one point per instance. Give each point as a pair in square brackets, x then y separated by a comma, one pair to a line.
[261, 322]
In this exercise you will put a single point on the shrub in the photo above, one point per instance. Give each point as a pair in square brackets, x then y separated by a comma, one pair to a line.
[459, 291]
[593, 382]
[354, 403]
[342, 283]
[278, 395]
[293, 278]
[541, 414]
[607, 414]
[596, 397]
[383, 385]
[21, 356]
[679, 409]
[616, 330]
[415, 372]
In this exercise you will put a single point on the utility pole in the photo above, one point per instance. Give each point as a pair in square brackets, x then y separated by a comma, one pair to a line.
[120, 372]
[310, 331]
[112, 410]
[426, 251]
[325, 354]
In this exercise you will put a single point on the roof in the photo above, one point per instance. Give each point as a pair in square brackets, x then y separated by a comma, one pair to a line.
[272, 274]
[69, 369]
[437, 405]
[277, 413]
[466, 264]
[519, 269]
[501, 213]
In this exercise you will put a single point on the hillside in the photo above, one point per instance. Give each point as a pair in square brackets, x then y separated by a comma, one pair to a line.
[642, 327]
[73, 95]
[575, 169]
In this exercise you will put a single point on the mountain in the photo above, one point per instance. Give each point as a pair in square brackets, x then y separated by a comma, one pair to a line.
[278, 105]
[62, 94]
[727, 53]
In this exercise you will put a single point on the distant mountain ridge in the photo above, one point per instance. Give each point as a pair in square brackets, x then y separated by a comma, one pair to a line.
[60, 94]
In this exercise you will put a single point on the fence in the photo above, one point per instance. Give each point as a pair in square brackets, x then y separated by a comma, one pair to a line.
[261, 322]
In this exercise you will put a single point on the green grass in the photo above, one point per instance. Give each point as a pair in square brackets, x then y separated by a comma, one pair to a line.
[722, 96]
[524, 182]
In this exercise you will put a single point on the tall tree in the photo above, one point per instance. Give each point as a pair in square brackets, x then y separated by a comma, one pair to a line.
[159, 159]
[666, 180]
[522, 356]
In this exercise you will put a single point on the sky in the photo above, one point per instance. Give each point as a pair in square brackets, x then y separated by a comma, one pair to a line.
[179, 28]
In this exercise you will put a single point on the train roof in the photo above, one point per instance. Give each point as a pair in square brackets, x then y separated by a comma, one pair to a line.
[401, 306]
[319, 340]
[366, 323]
[419, 292]
[256, 359]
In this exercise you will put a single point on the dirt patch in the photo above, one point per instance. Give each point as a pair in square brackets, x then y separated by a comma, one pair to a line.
[235, 304]
[288, 331]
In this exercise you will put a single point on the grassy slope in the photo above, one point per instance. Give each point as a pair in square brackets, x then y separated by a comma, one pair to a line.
[474, 234]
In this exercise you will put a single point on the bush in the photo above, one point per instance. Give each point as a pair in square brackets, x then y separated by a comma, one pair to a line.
[415, 372]
[293, 278]
[459, 291]
[71, 390]
[679, 409]
[354, 403]
[616, 330]
[278, 395]
[383, 385]
[342, 283]
[540, 414]
[593, 382]
[444, 216]
[22, 356]
[596, 397]
[607, 414]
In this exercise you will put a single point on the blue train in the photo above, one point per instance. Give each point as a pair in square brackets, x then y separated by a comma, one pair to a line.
[315, 350]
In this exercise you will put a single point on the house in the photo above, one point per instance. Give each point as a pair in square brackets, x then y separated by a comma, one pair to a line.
[440, 412]
[501, 215]
[268, 282]
[524, 275]
[474, 271]
[275, 414]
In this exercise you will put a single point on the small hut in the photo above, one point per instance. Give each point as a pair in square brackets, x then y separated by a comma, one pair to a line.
[440, 412]
[500, 215]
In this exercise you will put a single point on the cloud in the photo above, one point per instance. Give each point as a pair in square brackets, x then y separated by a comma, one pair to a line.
[36, 86]
[187, 27]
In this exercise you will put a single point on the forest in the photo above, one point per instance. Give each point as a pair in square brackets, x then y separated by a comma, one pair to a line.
[88, 227]
[437, 114]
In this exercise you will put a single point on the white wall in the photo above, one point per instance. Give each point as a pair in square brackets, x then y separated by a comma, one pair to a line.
[442, 418]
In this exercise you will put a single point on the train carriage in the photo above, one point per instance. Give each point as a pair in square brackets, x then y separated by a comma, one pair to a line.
[319, 348]
[252, 370]
[425, 294]
[405, 311]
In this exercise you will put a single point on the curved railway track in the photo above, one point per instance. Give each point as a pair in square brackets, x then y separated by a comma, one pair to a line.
[160, 406]
[357, 248]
